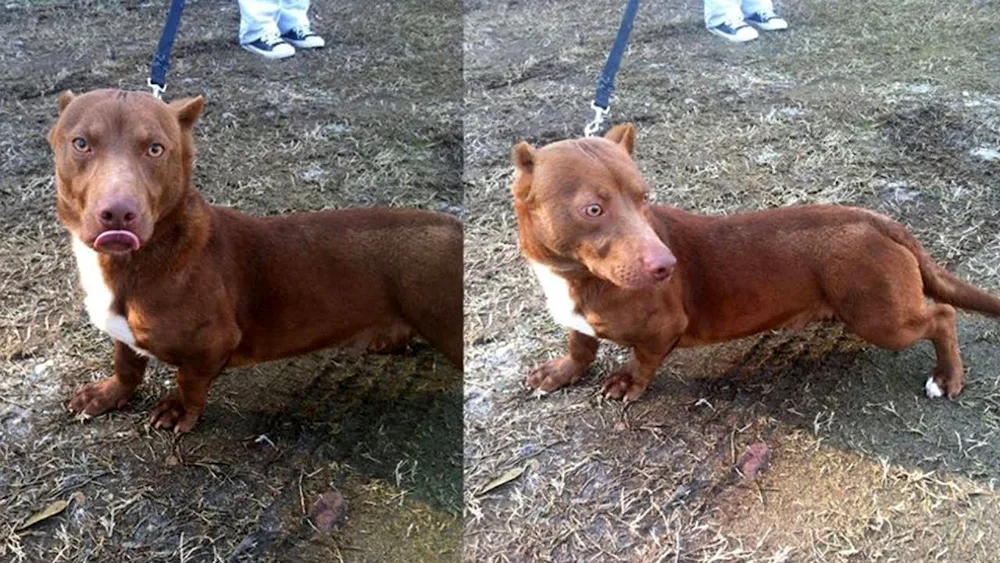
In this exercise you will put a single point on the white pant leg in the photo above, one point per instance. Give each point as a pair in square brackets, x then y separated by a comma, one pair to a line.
[754, 6]
[257, 18]
[718, 12]
[293, 14]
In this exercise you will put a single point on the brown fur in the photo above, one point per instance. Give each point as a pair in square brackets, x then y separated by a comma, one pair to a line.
[210, 287]
[734, 276]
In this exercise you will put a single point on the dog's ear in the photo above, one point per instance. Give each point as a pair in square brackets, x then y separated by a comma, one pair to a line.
[523, 157]
[188, 110]
[624, 135]
[64, 99]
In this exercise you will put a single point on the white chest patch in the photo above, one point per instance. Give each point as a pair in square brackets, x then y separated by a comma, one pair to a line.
[561, 305]
[98, 297]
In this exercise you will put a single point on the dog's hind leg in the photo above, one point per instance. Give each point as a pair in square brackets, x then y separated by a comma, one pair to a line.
[568, 369]
[449, 343]
[439, 321]
[949, 377]
[885, 305]
[934, 322]
[891, 312]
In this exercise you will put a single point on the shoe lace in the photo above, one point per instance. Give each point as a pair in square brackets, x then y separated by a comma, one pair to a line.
[766, 15]
[271, 39]
[302, 31]
[735, 23]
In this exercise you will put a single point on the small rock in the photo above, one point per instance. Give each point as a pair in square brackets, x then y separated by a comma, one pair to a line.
[754, 460]
[988, 154]
[42, 368]
[329, 511]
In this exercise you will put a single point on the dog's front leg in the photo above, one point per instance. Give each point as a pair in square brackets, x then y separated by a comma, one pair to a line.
[568, 369]
[630, 382]
[112, 392]
[181, 409]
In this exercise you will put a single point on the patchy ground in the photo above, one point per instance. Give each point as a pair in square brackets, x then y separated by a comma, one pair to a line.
[372, 119]
[892, 105]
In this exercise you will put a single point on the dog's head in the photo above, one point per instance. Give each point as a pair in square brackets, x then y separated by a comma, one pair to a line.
[581, 203]
[123, 161]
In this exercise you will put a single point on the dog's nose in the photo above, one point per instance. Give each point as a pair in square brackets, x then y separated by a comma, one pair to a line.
[119, 214]
[660, 265]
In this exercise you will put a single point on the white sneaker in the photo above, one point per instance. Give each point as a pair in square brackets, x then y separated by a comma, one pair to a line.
[766, 21]
[737, 32]
[270, 47]
[303, 38]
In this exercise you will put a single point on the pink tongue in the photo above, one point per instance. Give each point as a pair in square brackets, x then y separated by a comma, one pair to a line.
[117, 241]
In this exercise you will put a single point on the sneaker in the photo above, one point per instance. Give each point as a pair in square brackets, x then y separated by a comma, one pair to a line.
[766, 21]
[737, 32]
[270, 47]
[303, 38]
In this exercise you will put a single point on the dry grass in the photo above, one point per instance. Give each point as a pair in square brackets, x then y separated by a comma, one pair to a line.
[334, 128]
[888, 105]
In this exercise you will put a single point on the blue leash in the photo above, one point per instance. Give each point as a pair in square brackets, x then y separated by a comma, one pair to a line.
[161, 61]
[606, 85]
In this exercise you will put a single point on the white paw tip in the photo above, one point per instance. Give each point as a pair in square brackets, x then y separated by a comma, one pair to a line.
[539, 394]
[932, 388]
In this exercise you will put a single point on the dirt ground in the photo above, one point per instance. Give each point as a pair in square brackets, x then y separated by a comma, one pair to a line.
[892, 105]
[375, 118]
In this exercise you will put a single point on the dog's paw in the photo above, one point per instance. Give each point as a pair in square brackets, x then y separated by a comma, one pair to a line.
[100, 397]
[554, 374]
[949, 386]
[170, 413]
[621, 386]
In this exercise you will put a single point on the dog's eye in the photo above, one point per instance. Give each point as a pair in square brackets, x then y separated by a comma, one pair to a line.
[81, 144]
[593, 210]
[156, 149]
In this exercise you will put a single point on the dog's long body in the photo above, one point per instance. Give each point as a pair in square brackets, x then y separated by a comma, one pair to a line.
[654, 277]
[204, 287]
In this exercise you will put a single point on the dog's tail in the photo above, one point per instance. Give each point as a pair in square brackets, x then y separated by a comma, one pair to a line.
[939, 284]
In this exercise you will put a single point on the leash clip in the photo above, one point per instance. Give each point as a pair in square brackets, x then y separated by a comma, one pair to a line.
[595, 125]
[156, 88]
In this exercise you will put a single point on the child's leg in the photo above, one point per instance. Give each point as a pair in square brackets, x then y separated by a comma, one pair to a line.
[718, 12]
[293, 15]
[258, 18]
[751, 7]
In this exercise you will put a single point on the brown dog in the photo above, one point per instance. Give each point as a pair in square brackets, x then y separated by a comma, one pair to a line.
[653, 278]
[202, 287]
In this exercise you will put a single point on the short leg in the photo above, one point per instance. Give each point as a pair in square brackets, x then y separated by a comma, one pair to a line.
[949, 376]
[181, 409]
[934, 322]
[630, 382]
[567, 370]
[112, 392]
